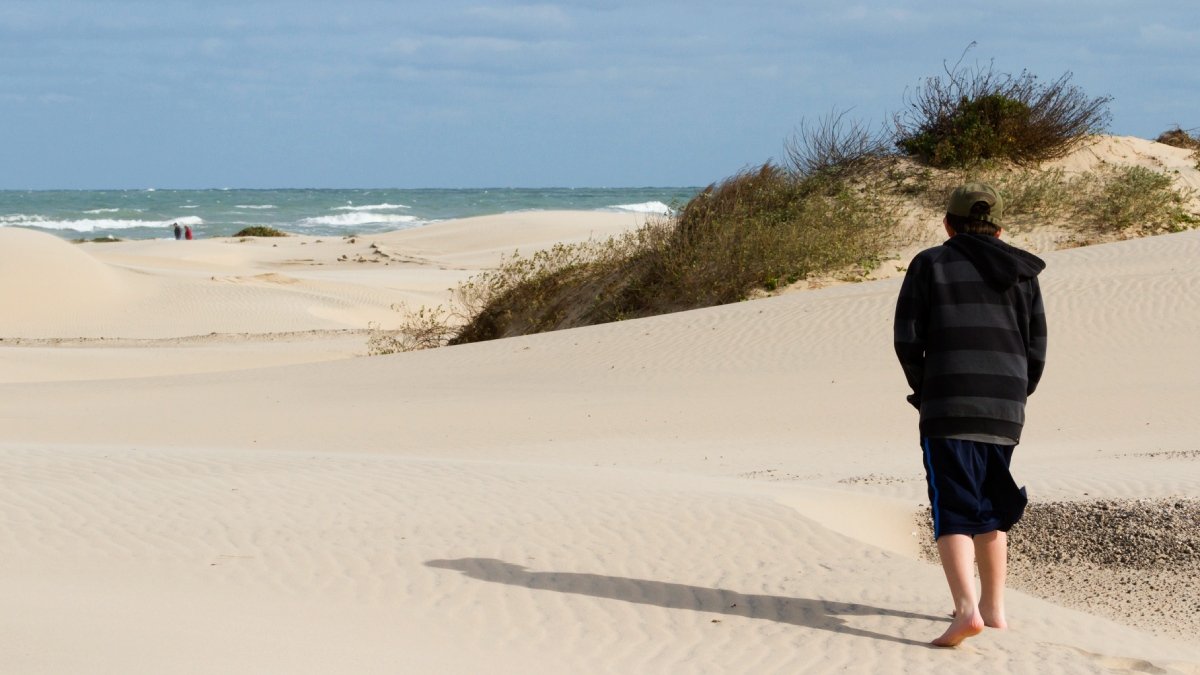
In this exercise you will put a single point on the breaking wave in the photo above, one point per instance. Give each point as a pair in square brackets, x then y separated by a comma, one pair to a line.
[644, 207]
[372, 207]
[356, 218]
[93, 224]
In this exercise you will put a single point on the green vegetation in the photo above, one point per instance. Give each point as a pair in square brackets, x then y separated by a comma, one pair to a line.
[1101, 205]
[982, 128]
[566, 285]
[1135, 201]
[260, 231]
[834, 209]
[758, 230]
[973, 114]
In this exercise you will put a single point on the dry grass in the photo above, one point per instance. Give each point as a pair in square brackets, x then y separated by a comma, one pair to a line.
[836, 145]
[424, 328]
[1103, 205]
[1182, 138]
[759, 229]
[1031, 196]
[1179, 138]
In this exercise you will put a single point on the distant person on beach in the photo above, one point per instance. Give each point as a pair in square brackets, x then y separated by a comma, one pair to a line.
[178, 232]
[187, 232]
[970, 333]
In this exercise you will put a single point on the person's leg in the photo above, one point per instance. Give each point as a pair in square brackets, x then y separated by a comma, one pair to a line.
[957, 553]
[991, 552]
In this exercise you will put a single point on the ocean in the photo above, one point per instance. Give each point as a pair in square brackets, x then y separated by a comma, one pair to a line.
[150, 214]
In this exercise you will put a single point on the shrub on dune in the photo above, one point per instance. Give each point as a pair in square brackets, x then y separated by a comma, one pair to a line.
[972, 114]
[259, 231]
[836, 145]
[758, 230]
[1179, 138]
[1135, 201]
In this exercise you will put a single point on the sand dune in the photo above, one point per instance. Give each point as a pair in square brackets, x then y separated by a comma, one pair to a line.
[44, 276]
[1118, 151]
[724, 490]
[170, 289]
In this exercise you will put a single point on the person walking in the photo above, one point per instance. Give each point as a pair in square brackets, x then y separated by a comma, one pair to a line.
[970, 335]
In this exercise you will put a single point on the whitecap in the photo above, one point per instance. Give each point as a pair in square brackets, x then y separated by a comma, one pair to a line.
[19, 219]
[356, 218]
[102, 211]
[644, 207]
[372, 207]
[256, 206]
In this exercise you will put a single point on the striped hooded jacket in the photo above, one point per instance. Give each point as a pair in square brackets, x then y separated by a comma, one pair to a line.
[970, 333]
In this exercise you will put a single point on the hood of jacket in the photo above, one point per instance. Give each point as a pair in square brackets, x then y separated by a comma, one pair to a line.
[1000, 264]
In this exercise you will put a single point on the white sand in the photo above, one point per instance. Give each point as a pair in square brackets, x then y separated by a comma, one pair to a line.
[724, 490]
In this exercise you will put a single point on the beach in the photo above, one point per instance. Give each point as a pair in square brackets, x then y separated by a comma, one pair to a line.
[205, 471]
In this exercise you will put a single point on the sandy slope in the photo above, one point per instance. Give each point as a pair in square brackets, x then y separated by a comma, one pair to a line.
[725, 490]
[314, 296]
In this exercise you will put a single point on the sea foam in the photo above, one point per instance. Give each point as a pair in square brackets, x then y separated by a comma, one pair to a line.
[372, 207]
[93, 224]
[355, 218]
[149, 215]
[644, 207]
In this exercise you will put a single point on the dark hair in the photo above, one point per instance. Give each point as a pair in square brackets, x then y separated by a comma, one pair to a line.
[974, 223]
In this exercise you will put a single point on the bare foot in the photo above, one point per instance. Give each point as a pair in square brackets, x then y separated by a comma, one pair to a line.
[993, 618]
[960, 629]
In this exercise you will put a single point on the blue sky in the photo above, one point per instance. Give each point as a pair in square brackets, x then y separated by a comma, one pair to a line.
[600, 93]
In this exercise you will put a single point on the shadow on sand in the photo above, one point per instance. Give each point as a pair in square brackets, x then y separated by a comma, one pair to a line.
[810, 613]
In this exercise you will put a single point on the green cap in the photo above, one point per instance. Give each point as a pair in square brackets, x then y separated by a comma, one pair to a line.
[966, 196]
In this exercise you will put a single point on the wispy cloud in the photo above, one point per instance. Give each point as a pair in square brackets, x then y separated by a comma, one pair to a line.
[705, 87]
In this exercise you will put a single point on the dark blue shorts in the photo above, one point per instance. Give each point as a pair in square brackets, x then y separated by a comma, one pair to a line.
[970, 488]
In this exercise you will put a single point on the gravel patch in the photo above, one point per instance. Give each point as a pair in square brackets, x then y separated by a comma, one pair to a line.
[1134, 561]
